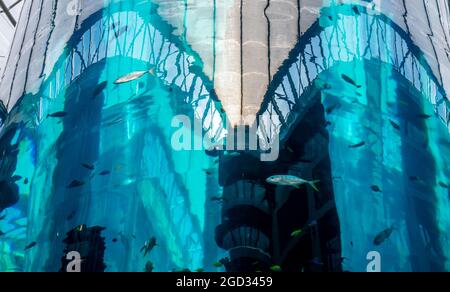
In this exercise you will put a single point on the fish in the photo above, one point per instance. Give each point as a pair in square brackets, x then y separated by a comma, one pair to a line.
[232, 154]
[16, 178]
[424, 116]
[394, 125]
[75, 184]
[149, 267]
[208, 172]
[105, 172]
[149, 245]
[444, 185]
[200, 270]
[2, 233]
[114, 240]
[290, 180]
[3, 217]
[99, 89]
[330, 109]
[88, 166]
[31, 245]
[71, 215]
[133, 76]
[360, 144]
[57, 115]
[296, 233]
[350, 81]
[383, 236]
[217, 264]
[217, 199]
[316, 261]
[25, 181]
[376, 189]
[414, 178]
[276, 268]
[355, 10]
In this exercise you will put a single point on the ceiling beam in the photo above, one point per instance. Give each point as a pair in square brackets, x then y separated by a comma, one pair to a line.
[5, 9]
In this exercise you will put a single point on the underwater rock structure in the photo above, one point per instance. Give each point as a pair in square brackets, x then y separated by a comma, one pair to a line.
[354, 94]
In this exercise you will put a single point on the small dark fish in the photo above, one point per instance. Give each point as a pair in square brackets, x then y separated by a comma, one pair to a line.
[414, 178]
[424, 116]
[328, 123]
[316, 261]
[133, 236]
[2, 217]
[25, 181]
[57, 115]
[351, 243]
[376, 189]
[114, 240]
[444, 185]
[99, 89]
[208, 172]
[383, 235]
[105, 172]
[31, 245]
[75, 183]
[330, 109]
[148, 246]
[357, 145]
[149, 267]
[16, 178]
[350, 80]
[395, 125]
[71, 215]
[2, 233]
[87, 166]
[355, 10]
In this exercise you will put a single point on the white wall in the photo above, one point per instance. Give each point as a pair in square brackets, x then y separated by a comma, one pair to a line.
[7, 32]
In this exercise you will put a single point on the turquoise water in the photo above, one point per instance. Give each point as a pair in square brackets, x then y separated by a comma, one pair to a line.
[138, 186]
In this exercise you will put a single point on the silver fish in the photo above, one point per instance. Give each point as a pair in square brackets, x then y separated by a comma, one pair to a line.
[133, 76]
[290, 180]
